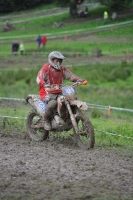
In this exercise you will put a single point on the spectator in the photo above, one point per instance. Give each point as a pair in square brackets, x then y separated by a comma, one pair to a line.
[82, 12]
[21, 48]
[39, 40]
[44, 41]
[105, 16]
[86, 12]
[8, 26]
[15, 48]
[114, 16]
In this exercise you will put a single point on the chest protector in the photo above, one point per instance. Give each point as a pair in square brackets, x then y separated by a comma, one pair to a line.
[55, 78]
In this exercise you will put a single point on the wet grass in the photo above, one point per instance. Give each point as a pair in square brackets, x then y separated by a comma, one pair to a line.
[109, 131]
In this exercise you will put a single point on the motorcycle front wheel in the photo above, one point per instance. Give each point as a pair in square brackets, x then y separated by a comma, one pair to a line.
[85, 138]
[35, 130]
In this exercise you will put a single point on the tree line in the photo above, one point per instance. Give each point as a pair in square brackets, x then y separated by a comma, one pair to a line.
[7, 6]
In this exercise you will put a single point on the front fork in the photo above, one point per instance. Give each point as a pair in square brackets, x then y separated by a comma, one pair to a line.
[74, 123]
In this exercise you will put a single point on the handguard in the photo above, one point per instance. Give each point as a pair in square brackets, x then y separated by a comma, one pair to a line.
[83, 83]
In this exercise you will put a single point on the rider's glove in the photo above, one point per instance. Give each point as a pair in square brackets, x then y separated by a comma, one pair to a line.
[80, 80]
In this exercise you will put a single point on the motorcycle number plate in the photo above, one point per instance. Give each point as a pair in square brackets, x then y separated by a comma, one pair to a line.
[68, 91]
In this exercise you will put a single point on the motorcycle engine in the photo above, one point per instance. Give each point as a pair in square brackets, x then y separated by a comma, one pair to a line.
[57, 122]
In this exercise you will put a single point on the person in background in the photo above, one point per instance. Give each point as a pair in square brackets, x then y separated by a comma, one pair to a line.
[21, 46]
[105, 16]
[114, 16]
[50, 79]
[44, 41]
[39, 38]
[15, 47]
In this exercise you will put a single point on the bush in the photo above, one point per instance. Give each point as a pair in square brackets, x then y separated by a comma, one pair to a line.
[122, 72]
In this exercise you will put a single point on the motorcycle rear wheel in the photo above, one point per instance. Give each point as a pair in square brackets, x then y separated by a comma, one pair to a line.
[86, 137]
[35, 133]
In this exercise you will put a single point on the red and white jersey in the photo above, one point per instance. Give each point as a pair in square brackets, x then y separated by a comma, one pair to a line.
[50, 75]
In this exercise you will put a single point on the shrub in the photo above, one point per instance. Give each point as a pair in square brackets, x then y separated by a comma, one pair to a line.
[119, 73]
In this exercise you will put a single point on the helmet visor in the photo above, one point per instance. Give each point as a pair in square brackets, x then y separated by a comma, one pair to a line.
[57, 60]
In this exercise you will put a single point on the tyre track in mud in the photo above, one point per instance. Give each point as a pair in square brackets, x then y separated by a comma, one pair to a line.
[58, 169]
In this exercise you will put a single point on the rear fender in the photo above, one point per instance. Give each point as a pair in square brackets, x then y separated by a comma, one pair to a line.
[31, 98]
[37, 103]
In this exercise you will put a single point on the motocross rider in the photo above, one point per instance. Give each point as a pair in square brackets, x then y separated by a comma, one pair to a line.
[50, 78]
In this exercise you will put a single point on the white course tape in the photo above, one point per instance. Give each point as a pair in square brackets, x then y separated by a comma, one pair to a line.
[102, 107]
[69, 32]
[114, 134]
[90, 105]
[104, 132]
[12, 117]
[107, 107]
[14, 99]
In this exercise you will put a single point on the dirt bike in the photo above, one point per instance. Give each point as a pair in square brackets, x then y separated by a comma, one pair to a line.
[66, 117]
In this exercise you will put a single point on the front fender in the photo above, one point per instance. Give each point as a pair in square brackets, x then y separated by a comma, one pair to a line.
[80, 104]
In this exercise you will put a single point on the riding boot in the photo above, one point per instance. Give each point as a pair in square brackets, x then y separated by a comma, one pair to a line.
[48, 113]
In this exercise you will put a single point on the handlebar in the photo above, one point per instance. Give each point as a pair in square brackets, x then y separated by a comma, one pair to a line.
[59, 87]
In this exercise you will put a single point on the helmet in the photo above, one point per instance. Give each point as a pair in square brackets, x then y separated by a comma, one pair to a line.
[58, 55]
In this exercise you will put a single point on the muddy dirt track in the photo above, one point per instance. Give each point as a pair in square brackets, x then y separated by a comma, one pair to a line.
[58, 170]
